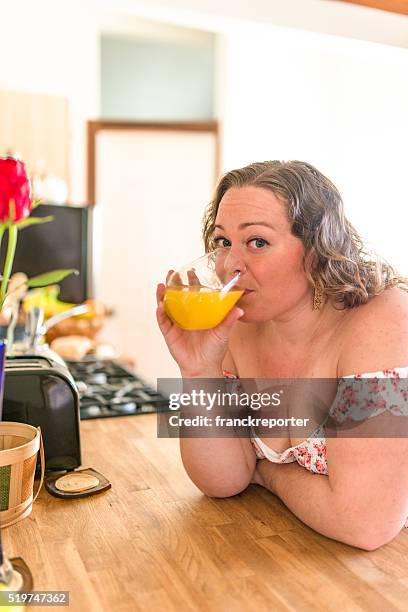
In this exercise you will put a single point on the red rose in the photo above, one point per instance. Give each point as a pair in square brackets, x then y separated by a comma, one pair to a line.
[14, 187]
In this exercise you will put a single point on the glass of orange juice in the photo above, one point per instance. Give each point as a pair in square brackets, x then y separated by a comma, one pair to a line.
[200, 294]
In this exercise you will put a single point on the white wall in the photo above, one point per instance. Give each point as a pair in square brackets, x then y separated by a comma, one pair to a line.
[339, 104]
[51, 47]
[54, 44]
[146, 79]
[333, 99]
[325, 16]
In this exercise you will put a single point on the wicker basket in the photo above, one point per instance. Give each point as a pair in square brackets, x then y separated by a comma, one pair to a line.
[19, 445]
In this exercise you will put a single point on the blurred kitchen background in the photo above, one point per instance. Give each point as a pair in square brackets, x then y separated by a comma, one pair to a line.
[135, 109]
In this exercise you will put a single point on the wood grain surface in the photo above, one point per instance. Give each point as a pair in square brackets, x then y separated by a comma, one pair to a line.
[38, 127]
[155, 542]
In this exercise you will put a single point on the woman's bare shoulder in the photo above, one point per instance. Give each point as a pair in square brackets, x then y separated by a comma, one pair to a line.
[375, 335]
[391, 307]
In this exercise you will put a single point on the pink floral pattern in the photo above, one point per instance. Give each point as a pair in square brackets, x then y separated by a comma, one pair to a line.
[350, 403]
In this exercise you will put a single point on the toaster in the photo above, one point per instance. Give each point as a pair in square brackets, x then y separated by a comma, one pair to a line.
[41, 392]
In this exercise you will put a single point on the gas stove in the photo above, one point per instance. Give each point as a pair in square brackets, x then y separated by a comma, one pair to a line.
[108, 389]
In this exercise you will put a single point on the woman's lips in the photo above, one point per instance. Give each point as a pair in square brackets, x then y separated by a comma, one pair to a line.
[246, 291]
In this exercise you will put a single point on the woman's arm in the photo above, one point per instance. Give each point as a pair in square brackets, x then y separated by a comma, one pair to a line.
[309, 496]
[219, 467]
[364, 500]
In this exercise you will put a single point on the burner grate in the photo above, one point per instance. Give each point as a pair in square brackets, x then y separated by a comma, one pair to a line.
[108, 389]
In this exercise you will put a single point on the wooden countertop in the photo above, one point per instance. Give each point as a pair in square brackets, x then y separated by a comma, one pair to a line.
[154, 541]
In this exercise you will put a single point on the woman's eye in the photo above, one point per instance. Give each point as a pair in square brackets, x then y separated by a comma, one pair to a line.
[258, 243]
[222, 242]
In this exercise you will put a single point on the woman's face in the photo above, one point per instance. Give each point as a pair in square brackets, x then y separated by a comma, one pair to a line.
[253, 227]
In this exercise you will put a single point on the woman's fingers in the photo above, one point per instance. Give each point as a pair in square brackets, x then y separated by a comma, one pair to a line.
[161, 288]
[176, 280]
[192, 278]
[163, 320]
[169, 273]
[224, 328]
[160, 293]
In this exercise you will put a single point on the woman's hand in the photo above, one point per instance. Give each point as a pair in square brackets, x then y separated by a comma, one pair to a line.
[263, 474]
[198, 353]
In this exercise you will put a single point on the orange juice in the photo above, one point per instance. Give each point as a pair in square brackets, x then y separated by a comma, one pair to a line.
[198, 307]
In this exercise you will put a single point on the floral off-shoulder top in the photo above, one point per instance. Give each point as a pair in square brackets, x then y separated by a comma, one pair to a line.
[312, 452]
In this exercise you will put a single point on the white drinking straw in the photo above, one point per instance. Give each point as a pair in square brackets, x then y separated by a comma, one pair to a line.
[230, 284]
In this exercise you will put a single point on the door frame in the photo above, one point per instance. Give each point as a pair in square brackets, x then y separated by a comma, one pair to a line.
[93, 127]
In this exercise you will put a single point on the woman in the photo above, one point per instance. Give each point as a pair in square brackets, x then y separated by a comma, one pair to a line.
[315, 306]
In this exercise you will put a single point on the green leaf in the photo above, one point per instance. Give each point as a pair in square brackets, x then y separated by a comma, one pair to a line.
[33, 221]
[35, 203]
[49, 278]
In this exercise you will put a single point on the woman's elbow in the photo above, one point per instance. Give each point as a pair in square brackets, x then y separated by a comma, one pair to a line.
[223, 489]
[370, 544]
[372, 538]
[221, 483]
[220, 491]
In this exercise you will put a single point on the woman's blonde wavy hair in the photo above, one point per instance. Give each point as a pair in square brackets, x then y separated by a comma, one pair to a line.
[336, 260]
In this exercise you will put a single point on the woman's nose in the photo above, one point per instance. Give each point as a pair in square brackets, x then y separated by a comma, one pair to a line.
[234, 263]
